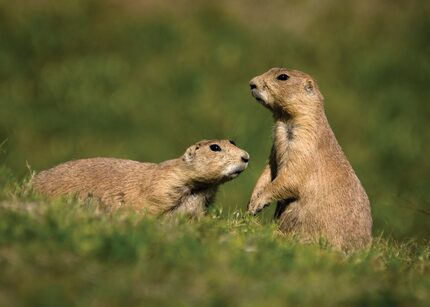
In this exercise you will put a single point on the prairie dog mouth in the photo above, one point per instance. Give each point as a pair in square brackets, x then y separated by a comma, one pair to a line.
[260, 97]
[234, 171]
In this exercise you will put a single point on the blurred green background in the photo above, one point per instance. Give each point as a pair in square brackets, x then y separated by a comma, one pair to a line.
[143, 80]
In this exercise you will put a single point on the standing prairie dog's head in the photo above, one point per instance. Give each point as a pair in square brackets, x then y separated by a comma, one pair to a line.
[215, 160]
[287, 91]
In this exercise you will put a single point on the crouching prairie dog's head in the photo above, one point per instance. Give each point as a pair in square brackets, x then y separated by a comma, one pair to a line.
[215, 161]
[285, 91]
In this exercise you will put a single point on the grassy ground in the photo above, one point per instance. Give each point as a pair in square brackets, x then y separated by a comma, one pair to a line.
[81, 254]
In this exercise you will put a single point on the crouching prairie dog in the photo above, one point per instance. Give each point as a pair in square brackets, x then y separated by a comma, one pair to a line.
[185, 185]
[316, 189]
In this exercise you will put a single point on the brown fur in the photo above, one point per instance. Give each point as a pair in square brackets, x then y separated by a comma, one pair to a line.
[316, 189]
[186, 185]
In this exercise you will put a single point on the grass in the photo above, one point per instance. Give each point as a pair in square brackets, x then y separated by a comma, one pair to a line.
[80, 254]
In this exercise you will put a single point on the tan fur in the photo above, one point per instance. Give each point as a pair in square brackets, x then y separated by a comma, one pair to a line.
[185, 185]
[316, 189]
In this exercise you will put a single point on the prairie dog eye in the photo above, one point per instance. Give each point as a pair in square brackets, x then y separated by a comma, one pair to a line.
[215, 147]
[283, 77]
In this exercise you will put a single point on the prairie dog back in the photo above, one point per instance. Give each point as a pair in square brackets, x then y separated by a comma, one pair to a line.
[106, 179]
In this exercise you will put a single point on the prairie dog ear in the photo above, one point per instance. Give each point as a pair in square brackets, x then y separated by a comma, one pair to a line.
[309, 86]
[189, 154]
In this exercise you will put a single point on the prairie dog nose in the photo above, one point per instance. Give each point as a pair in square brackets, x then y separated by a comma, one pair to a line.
[253, 84]
[245, 158]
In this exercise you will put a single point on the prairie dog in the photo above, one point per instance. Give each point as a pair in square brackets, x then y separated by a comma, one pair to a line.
[316, 189]
[184, 185]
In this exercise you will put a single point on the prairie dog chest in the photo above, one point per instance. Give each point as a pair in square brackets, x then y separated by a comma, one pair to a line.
[283, 136]
[196, 203]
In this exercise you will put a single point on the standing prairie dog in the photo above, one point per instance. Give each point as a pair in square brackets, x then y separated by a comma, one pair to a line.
[184, 185]
[316, 189]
